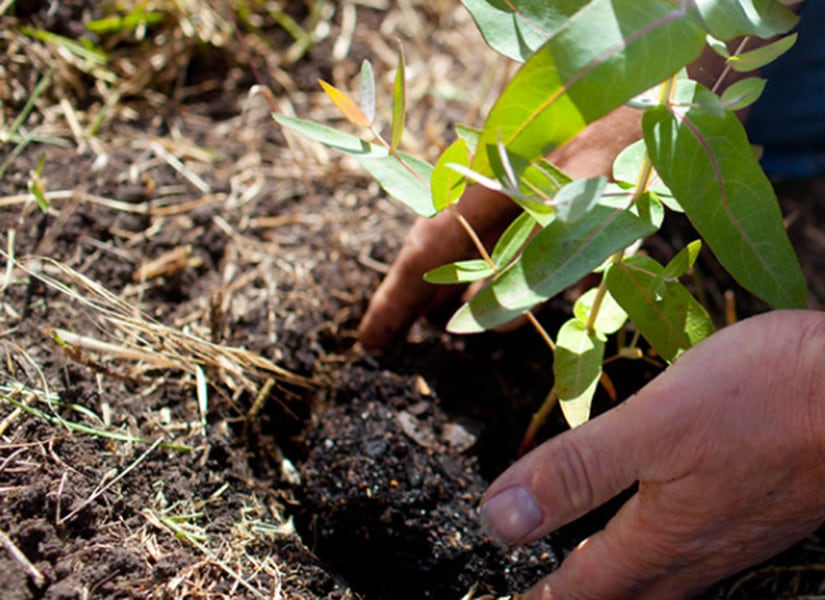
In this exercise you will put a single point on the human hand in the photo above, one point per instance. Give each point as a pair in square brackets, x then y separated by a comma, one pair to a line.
[728, 447]
[403, 296]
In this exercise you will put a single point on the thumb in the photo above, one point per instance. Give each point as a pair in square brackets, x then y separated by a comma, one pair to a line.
[564, 478]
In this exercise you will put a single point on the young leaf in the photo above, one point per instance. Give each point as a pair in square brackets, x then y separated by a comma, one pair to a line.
[726, 20]
[576, 198]
[512, 240]
[664, 311]
[726, 195]
[446, 183]
[367, 97]
[756, 59]
[743, 93]
[350, 109]
[627, 167]
[518, 27]
[463, 271]
[561, 88]
[718, 46]
[469, 135]
[557, 257]
[403, 177]
[539, 183]
[710, 103]
[683, 261]
[611, 316]
[577, 366]
[399, 102]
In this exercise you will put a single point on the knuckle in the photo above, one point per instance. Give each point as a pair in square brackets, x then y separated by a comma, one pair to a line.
[573, 475]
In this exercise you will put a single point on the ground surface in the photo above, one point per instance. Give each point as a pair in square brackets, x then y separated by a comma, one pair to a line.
[184, 412]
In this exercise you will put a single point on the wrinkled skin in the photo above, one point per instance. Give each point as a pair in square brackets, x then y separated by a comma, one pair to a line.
[728, 447]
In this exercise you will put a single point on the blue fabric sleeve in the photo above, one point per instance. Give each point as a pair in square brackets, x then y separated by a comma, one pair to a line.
[788, 121]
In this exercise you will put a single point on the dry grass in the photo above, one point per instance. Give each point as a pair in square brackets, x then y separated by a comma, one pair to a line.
[79, 104]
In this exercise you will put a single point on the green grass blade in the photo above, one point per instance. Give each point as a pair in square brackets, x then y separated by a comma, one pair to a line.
[399, 103]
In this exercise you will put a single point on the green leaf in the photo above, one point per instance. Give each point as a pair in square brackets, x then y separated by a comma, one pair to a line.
[708, 164]
[403, 177]
[718, 46]
[758, 58]
[727, 19]
[516, 28]
[710, 103]
[683, 261]
[577, 366]
[663, 311]
[743, 93]
[557, 257]
[463, 271]
[469, 135]
[367, 96]
[399, 102]
[605, 54]
[628, 166]
[446, 184]
[512, 240]
[576, 198]
[611, 316]
[538, 184]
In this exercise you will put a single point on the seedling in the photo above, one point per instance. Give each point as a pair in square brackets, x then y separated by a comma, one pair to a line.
[581, 60]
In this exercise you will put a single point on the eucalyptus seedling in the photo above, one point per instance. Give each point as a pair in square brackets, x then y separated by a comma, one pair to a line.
[580, 61]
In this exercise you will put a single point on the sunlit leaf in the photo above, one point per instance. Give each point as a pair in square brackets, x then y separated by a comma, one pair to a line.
[346, 105]
[727, 19]
[562, 87]
[512, 240]
[743, 93]
[683, 261]
[708, 164]
[665, 312]
[718, 46]
[611, 316]
[628, 166]
[469, 135]
[399, 102]
[558, 256]
[463, 271]
[367, 97]
[758, 58]
[577, 366]
[516, 28]
[403, 177]
[446, 183]
[576, 198]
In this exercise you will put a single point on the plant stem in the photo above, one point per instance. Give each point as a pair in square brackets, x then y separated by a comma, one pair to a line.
[538, 419]
[473, 237]
[728, 65]
[540, 329]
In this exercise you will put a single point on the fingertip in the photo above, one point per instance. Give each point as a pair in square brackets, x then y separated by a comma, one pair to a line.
[373, 335]
[511, 515]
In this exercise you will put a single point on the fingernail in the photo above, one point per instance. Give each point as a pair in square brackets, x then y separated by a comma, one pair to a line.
[510, 515]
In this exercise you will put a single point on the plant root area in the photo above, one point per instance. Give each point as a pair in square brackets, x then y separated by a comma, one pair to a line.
[185, 411]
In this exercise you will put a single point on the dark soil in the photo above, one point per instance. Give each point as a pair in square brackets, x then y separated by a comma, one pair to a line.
[358, 476]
